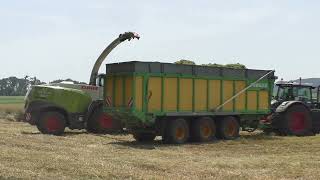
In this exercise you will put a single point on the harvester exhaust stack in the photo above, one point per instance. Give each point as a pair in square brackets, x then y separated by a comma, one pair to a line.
[122, 37]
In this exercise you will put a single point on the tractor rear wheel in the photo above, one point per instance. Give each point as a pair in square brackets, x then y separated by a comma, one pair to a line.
[228, 128]
[101, 122]
[144, 137]
[296, 121]
[176, 132]
[203, 129]
[51, 122]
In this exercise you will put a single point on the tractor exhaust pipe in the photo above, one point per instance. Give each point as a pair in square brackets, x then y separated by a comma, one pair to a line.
[122, 37]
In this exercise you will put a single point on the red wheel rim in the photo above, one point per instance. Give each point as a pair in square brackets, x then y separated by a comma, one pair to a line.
[298, 121]
[105, 121]
[53, 124]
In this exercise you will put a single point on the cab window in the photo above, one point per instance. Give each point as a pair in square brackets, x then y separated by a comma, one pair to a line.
[303, 94]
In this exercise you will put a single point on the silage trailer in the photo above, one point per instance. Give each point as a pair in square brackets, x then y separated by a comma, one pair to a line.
[186, 102]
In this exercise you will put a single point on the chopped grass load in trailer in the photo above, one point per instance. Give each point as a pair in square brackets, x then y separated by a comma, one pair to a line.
[186, 102]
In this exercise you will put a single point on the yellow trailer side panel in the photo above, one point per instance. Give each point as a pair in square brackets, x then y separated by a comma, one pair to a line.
[119, 91]
[252, 100]
[109, 87]
[200, 95]
[215, 93]
[241, 99]
[154, 92]
[138, 93]
[185, 99]
[128, 89]
[170, 94]
[227, 94]
[263, 100]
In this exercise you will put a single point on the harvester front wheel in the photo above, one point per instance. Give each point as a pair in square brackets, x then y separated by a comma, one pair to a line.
[228, 128]
[51, 123]
[176, 132]
[144, 137]
[203, 129]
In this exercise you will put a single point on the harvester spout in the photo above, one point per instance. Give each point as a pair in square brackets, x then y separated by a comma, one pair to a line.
[122, 37]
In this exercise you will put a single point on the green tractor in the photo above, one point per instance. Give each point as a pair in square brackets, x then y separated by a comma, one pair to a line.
[295, 110]
[54, 107]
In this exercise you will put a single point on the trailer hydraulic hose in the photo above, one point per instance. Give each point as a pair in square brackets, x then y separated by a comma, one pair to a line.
[242, 91]
[122, 37]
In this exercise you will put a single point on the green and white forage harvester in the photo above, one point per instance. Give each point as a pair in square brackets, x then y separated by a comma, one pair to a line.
[54, 107]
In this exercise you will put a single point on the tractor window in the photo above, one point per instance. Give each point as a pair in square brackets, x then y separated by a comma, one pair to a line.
[283, 93]
[303, 94]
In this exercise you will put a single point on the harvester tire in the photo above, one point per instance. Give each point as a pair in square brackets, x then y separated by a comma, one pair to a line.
[296, 120]
[51, 122]
[176, 132]
[228, 128]
[100, 122]
[203, 129]
[144, 137]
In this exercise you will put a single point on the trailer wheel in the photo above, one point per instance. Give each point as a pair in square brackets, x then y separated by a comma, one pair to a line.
[144, 137]
[297, 121]
[51, 122]
[176, 132]
[228, 128]
[203, 129]
[101, 122]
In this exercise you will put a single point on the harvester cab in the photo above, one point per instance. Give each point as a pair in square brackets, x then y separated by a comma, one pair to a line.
[295, 109]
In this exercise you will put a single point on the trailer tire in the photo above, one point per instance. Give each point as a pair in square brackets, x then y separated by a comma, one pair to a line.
[203, 129]
[144, 137]
[51, 122]
[296, 121]
[176, 132]
[228, 128]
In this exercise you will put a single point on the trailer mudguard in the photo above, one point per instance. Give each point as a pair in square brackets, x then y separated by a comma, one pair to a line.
[286, 104]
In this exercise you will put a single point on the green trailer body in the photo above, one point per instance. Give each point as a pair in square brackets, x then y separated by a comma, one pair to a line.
[142, 94]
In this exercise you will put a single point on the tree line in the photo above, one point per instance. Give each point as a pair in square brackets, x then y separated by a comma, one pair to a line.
[13, 86]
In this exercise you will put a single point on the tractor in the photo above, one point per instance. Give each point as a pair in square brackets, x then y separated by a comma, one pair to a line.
[54, 107]
[295, 110]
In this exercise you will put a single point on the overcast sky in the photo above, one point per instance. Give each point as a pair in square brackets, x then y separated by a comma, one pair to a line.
[63, 38]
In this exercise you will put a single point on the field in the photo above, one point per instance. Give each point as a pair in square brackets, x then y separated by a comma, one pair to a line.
[27, 154]
[11, 104]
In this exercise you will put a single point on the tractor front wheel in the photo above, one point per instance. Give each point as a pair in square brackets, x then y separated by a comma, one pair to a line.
[51, 123]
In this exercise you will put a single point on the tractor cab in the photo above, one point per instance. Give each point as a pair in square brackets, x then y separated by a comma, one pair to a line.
[294, 92]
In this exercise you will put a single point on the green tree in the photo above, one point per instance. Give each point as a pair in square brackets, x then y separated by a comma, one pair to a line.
[13, 86]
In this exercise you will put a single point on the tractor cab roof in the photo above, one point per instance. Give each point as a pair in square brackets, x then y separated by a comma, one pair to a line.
[294, 84]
